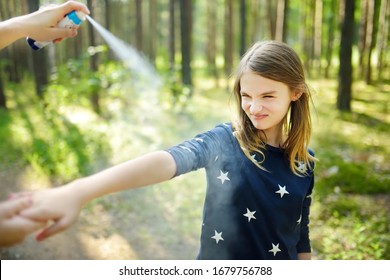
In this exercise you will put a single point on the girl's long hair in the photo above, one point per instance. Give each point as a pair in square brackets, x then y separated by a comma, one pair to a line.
[277, 61]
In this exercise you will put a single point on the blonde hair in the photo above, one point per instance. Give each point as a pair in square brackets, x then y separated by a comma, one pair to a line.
[277, 61]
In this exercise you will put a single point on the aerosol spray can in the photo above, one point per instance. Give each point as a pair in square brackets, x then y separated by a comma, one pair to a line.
[71, 20]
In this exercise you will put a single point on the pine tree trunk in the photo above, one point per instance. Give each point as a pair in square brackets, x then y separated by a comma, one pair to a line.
[93, 62]
[228, 41]
[172, 49]
[345, 55]
[186, 34]
[243, 27]
[39, 59]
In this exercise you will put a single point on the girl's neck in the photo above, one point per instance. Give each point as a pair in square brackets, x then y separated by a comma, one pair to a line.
[274, 137]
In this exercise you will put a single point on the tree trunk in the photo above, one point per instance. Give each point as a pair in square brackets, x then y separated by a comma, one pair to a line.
[318, 36]
[362, 37]
[138, 27]
[211, 28]
[383, 33]
[243, 27]
[280, 20]
[271, 16]
[331, 26]
[93, 62]
[152, 30]
[39, 59]
[345, 55]
[186, 34]
[107, 14]
[228, 41]
[371, 37]
[172, 49]
[3, 98]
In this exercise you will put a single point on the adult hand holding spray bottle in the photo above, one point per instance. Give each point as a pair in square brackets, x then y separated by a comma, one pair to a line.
[75, 13]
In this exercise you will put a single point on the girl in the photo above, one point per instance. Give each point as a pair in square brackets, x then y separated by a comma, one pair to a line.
[259, 169]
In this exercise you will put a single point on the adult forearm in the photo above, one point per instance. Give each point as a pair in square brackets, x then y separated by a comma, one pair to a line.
[10, 31]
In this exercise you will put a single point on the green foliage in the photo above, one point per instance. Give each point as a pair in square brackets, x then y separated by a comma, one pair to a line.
[354, 160]
[352, 227]
[44, 137]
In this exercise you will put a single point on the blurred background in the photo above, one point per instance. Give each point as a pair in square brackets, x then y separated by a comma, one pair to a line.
[74, 108]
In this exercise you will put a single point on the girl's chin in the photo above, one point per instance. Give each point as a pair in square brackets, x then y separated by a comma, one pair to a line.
[260, 125]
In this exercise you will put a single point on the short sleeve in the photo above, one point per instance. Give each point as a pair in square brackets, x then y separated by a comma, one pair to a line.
[197, 152]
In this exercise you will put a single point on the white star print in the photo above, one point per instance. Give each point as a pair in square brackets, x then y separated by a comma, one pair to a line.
[299, 220]
[199, 139]
[302, 167]
[223, 177]
[253, 156]
[275, 249]
[250, 214]
[217, 236]
[282, 191]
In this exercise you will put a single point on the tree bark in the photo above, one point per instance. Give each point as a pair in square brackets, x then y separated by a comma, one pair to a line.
[371, 37]
[172, 33]
[243, 27]
[152, 30]
[383, 34]
[138, 27]
[211, 39]
[345, 71]
[331, 26]
[93, 62]
[228, 42]
[186, 40]
[39, 60]
[280, 20]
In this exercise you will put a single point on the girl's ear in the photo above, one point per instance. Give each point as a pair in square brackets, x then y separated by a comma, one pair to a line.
[297, 93]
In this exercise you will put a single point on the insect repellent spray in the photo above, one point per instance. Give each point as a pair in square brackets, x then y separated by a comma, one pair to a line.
[71, 20]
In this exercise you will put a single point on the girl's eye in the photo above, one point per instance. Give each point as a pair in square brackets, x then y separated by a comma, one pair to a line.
[268, 96]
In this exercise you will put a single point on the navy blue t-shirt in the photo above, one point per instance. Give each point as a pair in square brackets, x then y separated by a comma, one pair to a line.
[248, 213]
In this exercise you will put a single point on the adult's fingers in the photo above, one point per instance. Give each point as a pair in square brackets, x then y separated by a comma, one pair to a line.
[12, 207]
[74, 5]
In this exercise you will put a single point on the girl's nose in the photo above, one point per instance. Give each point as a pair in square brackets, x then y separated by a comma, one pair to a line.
[255, 107]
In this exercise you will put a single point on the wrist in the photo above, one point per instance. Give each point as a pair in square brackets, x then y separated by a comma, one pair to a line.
[80, 190]
[17, 26]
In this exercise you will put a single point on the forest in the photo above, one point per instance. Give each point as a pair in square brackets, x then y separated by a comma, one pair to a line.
[76, 107]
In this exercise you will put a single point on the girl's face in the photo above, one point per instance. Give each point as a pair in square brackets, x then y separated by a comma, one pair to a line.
[265, 102]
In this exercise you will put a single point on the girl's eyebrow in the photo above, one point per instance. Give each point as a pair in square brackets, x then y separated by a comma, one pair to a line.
[261, 94]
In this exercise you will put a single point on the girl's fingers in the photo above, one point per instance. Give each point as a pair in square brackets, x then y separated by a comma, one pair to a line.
[51, 230]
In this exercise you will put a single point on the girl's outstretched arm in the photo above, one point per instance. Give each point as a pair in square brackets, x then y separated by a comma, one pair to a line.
[62, 205]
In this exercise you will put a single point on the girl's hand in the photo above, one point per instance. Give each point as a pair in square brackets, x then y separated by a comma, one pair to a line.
[59, 207]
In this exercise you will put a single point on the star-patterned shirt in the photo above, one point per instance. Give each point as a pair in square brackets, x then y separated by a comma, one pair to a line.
[248, 213]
